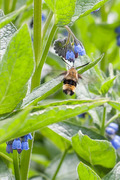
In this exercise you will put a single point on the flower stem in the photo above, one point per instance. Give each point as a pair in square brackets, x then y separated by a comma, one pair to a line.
[112, 119]
[13, 5]
[25, 160]
[37, 41]
[69, 30]
[37, 74]
[103, 121]
[16, 165]
[60, 163]
[7, 5]
[45, 52]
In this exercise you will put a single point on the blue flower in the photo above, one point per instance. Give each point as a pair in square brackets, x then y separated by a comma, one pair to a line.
[114, 126]
[70, 56]
[16, 144]
[79, 49]
[117, 29]
[9, 148]
[19, 144]
[25, 145]
[118, 40]
[29, 136]
[110, 131]
[116, 142]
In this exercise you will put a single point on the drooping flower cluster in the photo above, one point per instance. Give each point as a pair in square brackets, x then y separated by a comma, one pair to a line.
[117, 30]
[69, 51]
[19, 144]
[111, 132]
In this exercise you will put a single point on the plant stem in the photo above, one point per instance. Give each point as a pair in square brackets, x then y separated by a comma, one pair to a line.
[25, 160]
[45, 52]
[69, 30]
[16, 165]
[59, 165]
[37, 74]
[103, 121]
[112, 119]
[13, 5]
[37, 41]
[47, 24]
[7, 6]
[1, 4]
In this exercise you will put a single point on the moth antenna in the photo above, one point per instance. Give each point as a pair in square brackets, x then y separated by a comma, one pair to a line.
[83, 65]
[65, 62]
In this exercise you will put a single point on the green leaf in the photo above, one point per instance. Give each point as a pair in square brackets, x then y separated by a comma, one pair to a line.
[40, 119]
[9, 127]
[68, 102]
[15, 70]
[114, 174]
[96, 152]
[107, 85]
[85, 172]
[114, 104]
[68, 130]
[70, 10]
[43, 91]
[5, 35]
[63, 132]
[55, 138]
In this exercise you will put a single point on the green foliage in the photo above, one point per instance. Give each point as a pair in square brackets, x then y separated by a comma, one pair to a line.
[77, 148]
[41, 118]
[85, 171]
[96, 152]
[14, 71]
[69, 11]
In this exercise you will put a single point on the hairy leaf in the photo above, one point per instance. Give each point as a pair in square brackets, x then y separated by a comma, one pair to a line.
[40, 119]
[15, 70]
[96, 152]
[70, 10]
[85, 172]
[107, 85]
[5, 35]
